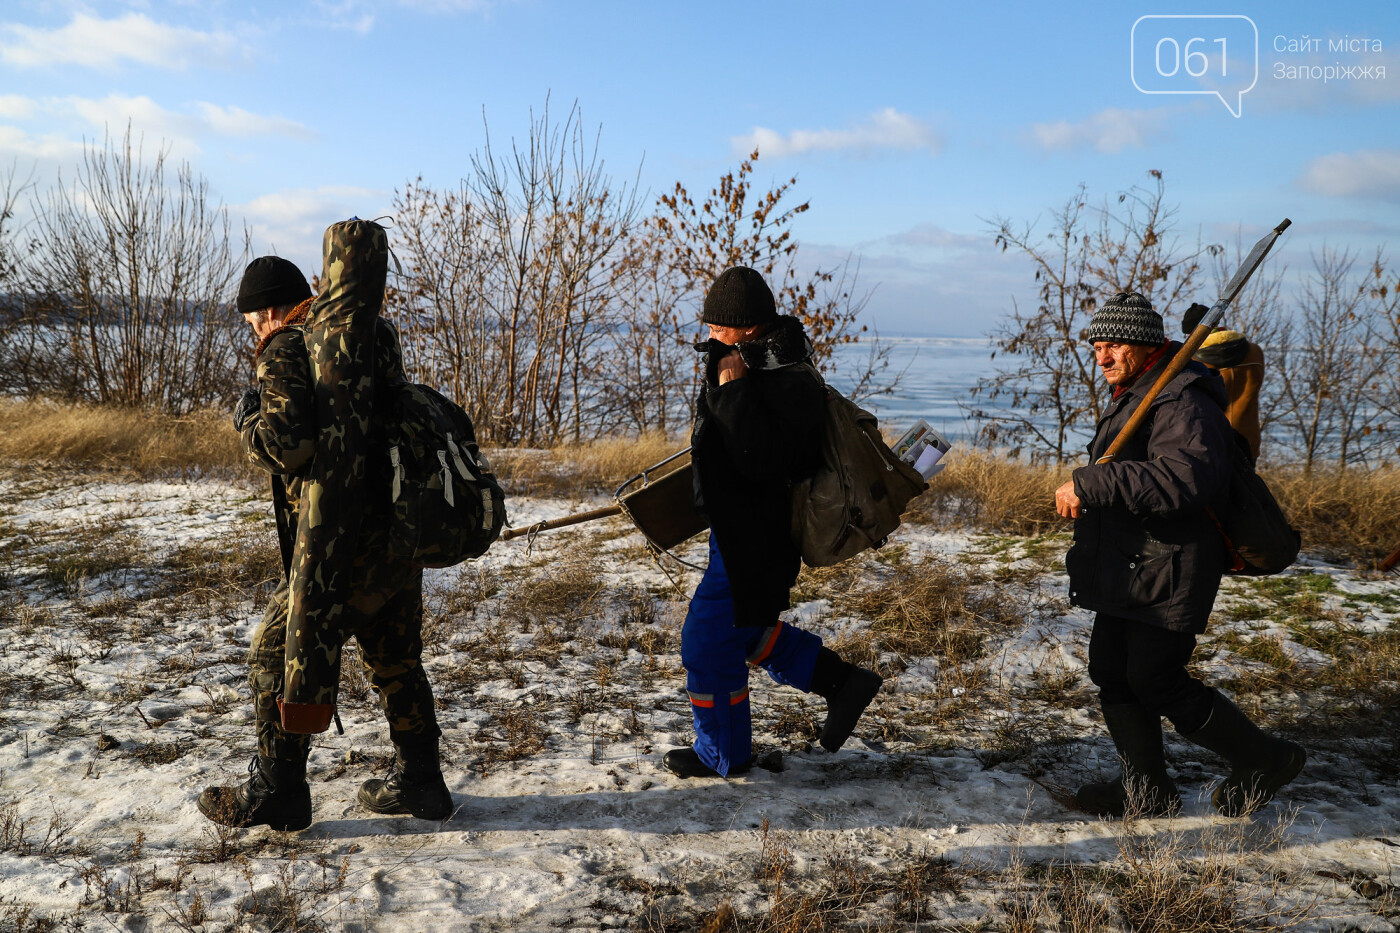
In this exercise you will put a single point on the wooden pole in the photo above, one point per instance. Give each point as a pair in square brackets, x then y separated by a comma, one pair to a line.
[563, 522]
[1193, 343]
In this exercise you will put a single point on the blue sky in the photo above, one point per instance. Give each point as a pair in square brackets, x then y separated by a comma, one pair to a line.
[909, 125]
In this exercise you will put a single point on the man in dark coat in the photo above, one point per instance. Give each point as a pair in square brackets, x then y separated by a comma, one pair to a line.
[1148, 557]
[758, 424]
[278, 426]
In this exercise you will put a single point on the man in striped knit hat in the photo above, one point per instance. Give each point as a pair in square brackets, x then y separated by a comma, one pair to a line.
[1147, 558]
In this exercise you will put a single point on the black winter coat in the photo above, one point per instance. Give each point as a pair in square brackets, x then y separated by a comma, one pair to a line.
[1144, 546]
[754, 437]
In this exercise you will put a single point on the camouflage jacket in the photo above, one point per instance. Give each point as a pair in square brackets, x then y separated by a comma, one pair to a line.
[281, 440]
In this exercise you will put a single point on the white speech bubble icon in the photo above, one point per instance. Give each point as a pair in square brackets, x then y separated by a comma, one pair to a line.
[1176, 53]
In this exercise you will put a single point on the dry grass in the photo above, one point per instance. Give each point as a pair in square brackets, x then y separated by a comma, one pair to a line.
[576, 469]
[1352, 514]
[144, 442]
[993, 492]
[927, 607]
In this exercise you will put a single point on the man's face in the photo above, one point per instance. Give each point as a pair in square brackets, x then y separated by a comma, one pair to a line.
[731, 335]
[1121, 362]
[263, 322]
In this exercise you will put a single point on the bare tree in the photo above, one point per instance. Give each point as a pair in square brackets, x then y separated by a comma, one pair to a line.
[1383, 291]
[1332, 357]
[728, 229]
[512, 282]
[1050, 395]
[133, 270]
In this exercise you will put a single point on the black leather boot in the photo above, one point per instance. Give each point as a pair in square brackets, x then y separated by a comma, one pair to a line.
[276, 795]
[686, 763]
[1259, 763]
[847, 690]
[414, 784]
[1137, 734]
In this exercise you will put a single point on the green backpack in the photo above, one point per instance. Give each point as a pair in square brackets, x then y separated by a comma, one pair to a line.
[445, 503]
[858, 492]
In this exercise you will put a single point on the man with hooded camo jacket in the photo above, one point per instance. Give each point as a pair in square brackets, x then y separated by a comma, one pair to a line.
[277, 424]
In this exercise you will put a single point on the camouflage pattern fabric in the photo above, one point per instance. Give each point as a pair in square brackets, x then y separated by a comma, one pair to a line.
[384, 613]
[385, 617]
[340, 347]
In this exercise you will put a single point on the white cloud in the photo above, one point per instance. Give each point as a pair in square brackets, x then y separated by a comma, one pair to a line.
[237, 122]
[15, 107]
[1107, 131]
[99, 43]
[887, 129]
[291, 222]
[1368, 173]
[205, 119]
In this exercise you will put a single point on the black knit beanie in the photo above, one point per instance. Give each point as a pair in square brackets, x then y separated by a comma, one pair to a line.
[1127, 317]
[1192, 318]
[739, 298]
[271, 281]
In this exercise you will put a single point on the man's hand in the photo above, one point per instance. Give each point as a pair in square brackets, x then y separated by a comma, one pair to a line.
[732, 366]
[247, 407]
[1066, 502]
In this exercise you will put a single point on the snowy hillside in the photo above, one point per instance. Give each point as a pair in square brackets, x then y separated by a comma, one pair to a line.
[126, 609]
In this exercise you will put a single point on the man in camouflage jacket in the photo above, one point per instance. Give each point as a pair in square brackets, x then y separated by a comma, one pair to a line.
[278, 426]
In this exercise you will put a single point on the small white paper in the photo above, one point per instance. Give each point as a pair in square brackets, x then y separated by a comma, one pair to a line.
[927, 464]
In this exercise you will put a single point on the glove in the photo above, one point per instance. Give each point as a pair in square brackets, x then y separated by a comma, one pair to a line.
[248, 407]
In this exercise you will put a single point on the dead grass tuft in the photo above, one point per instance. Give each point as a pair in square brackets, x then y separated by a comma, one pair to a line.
[992, 492]
[1352, 513]
[931, 607]
[147, 443]
[579, 469]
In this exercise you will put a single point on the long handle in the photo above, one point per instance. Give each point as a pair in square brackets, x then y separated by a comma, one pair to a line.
[565, 521]
[1193, 343]
[1390, 563]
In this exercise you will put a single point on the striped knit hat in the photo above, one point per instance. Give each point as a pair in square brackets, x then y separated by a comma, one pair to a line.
[1127, 317]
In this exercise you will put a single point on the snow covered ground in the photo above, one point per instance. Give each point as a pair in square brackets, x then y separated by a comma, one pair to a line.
[126, 608]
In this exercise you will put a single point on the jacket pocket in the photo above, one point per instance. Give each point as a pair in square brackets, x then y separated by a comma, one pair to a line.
[1139, 575]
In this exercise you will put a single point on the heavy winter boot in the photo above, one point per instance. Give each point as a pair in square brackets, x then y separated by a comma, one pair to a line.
[275, 795]
[414, 784]
[847, 690]
[1259, 763]
[686, 763]
[1137, 734]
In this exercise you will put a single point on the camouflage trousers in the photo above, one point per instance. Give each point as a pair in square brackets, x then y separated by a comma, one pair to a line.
[385, 617]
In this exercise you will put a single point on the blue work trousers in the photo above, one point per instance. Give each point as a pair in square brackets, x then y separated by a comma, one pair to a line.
[717, 655]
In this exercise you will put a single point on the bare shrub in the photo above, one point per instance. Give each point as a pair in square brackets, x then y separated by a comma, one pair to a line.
[128, 277]
[1051, 383]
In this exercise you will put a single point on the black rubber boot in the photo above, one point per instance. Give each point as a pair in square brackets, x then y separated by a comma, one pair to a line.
[847, 690]
[1137, 734]
[686, 763]
[414, 784]
[1259, 763]
[275, 795]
